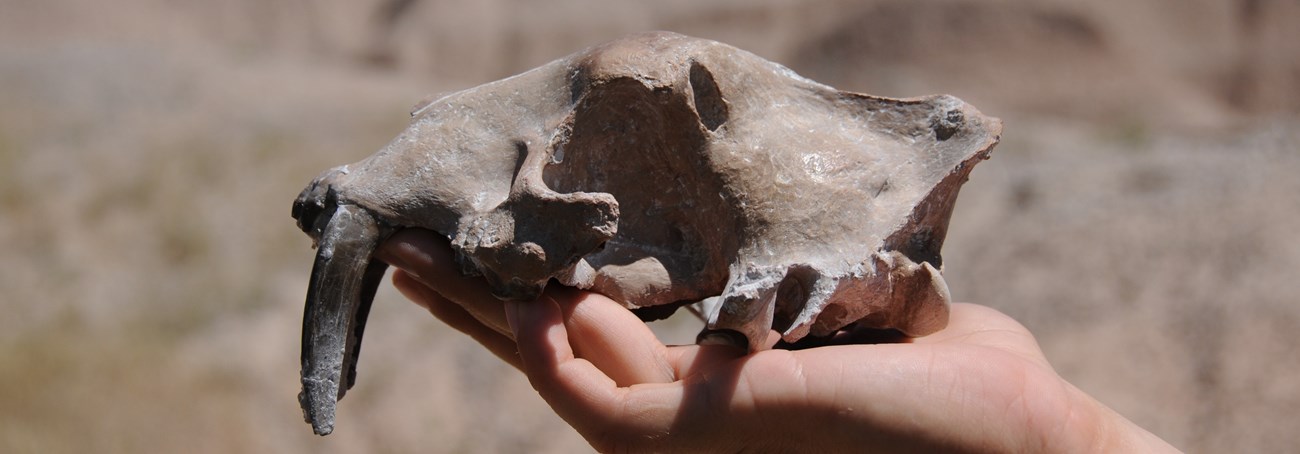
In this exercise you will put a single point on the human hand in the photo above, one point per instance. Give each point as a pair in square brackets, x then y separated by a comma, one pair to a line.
[981, 384]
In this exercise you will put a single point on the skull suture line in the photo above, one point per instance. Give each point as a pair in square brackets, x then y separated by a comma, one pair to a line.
[660, 170]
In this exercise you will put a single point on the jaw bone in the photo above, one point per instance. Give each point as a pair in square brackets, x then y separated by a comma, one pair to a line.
[659, 170]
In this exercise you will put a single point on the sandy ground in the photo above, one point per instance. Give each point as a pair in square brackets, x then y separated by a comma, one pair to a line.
[1138, 217]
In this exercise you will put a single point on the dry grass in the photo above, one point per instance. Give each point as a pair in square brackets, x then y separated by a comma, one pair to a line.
[1138, 216]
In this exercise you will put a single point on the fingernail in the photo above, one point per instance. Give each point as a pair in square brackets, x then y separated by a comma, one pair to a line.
[387, 254]
[512, 316]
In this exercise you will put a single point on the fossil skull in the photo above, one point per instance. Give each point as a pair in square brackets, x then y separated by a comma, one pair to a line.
[660, 170]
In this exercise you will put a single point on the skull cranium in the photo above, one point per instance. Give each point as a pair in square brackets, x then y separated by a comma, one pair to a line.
[660, 170]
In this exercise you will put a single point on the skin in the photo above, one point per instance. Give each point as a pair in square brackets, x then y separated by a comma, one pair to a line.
[980, 385]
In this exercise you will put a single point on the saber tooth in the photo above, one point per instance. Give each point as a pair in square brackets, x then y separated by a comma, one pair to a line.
[344, 280]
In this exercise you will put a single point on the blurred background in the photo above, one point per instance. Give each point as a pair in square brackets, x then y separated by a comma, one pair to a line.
[1139, 216]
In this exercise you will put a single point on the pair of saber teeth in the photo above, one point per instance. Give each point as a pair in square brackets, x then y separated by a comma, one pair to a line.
[344, 279]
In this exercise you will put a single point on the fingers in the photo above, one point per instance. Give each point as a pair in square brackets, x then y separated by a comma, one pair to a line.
[429, 259]
[591, 359]
[574, 387]
[588, 399]
[603, 332]
[457, 317]
[612, 338]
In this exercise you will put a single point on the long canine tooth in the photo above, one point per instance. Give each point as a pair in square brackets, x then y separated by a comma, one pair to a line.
[344, 279]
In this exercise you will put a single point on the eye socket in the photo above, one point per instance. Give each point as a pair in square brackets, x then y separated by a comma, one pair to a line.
[709, 103]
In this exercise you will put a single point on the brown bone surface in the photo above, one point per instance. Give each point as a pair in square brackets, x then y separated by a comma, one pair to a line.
[659, 170]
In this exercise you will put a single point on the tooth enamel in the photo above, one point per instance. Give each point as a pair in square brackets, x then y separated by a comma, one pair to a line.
[343, 283]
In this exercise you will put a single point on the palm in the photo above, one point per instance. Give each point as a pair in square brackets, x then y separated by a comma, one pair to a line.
[984, 370]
